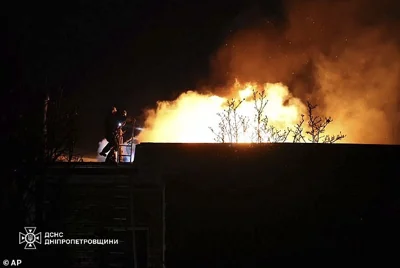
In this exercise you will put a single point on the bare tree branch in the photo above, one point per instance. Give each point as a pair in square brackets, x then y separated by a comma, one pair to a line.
[317, 126]
[61, 131]
[261, 120]
[298, 135]
[233, 126]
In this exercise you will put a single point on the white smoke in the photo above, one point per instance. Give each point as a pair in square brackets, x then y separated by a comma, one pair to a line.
[126, 150]
[102, 144]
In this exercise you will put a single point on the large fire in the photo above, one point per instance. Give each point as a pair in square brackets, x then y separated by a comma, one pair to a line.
[350, 67]
[196, 118]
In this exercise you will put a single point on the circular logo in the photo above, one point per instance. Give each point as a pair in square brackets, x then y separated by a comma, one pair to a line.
[6, 262]
[30, 238]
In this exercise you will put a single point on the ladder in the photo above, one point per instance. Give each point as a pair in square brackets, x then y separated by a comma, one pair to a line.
[128, 146]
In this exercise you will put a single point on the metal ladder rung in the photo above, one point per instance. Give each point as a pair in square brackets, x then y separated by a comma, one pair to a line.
[129, 145]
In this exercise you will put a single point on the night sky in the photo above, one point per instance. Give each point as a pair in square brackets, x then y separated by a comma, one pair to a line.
[129, 53]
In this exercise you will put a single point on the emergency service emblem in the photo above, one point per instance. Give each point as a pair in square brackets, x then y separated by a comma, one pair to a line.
[30, 238]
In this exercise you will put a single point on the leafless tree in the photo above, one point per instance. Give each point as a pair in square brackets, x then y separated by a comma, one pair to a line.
[261, 120]
[298, 135]
[277, 135]
[264, 132]
[316, 128]
[232, 124]
[60, 130]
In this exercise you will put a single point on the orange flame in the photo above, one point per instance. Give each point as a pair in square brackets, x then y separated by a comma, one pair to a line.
[189, 118]
[350, 67]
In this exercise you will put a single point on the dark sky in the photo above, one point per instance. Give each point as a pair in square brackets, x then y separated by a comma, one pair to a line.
[131, 53]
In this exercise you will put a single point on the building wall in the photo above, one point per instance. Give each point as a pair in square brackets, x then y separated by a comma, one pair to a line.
[106, 204]
[243, 205]
[249, 205]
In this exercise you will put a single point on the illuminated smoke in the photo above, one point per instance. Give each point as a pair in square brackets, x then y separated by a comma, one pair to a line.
[343, 55]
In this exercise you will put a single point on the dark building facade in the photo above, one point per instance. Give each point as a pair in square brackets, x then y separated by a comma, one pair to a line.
[103, 202]
[255, 205]
[227, 206]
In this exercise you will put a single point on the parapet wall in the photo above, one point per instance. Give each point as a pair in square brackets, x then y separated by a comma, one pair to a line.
[247, 204]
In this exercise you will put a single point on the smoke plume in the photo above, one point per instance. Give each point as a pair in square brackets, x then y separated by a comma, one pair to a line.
[342, 55]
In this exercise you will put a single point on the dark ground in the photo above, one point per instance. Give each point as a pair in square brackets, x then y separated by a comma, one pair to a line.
[249, 206]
